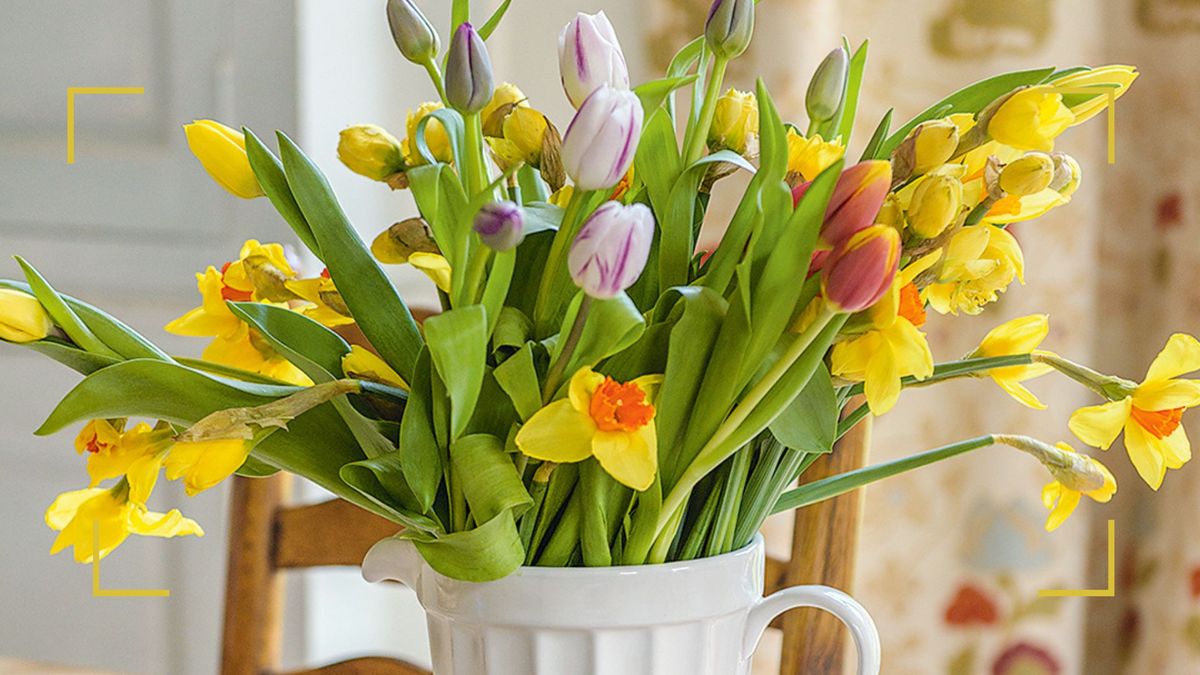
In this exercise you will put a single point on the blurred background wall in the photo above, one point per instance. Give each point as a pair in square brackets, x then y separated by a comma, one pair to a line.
[951, 557]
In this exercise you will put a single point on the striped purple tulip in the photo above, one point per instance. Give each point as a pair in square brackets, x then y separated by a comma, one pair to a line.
[856, 199]
[611, 249]
[501, 225]
[589, 55]
[602, 139]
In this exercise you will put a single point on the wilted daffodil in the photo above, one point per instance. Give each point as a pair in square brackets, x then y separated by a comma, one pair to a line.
[364, 364]
[435, 136]
[735, 123]
[1031, 118]
[1150, 414]
[1018, 336]
[980, 262]
[326, 305]
[369, 150]
[22, 317]
[203, 464]
[222, 153]
[1062, 495]
[435, 266]
[809, 156]
[601, 418]
[134, 453]
[892, 346]
[76, 515]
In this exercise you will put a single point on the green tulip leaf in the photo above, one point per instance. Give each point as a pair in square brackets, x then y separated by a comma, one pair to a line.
[491, 551]
[420, 455]
[269, 172]
[809, 422]
[489, 478]
[458, 341]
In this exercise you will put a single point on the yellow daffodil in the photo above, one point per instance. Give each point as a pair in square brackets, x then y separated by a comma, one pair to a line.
[222, 153]
[735, 122]
[326, 305]
[435, 266]
[259, 274]
[435, 136]
[22, 317]
[980, 263]
[1031, 119]
[234, 344]
[203, 464]
[522, 136]
[364, 364]
[1062, 495]
[505, 99]
[77, 515]
[1150, 416]
[893, 346]
[808, 157]
[133, 453]
[1114, 77]
[1018, 336]
[601, 418]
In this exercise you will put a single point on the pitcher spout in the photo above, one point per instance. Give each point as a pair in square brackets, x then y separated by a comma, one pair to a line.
[392, 559]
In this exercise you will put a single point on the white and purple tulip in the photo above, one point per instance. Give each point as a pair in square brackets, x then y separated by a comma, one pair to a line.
[602, 139]
[611, 249]
[501, 225]
[589, 55]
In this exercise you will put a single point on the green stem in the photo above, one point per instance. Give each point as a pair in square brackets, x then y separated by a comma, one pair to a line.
[731, 501]
[593, 536]
[555, 261]
[1108, 386]
[477, 178]
[666, 535]
[708, 110]
[435, 75]
[955, 369]
[840, 484]
[850, 421]
[554, 377]
[474, 277]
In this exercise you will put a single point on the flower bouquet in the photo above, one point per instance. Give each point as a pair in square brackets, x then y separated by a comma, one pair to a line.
[598, 388]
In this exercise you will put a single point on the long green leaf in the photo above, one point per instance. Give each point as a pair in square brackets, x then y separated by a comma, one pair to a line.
[370, 295]
[489, 552]
[299, 334]
[518, 377]
[370, 478]
[71, 356]
[690, 345]
[612, 325]
[489, 479]
[458, 345]
[269, 172]
[809, 422]
[849, 108]
[420, 454]
[64, 317]
[489, 26]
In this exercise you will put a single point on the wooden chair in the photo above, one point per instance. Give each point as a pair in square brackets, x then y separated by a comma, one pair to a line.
[268, 537]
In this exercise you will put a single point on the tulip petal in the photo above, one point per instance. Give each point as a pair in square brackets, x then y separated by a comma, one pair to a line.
[557, 433]
[1180, 356]
[1099, 425]
[630, 458]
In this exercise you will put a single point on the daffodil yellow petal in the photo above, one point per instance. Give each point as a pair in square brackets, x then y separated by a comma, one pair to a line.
[1145, 454]
[1065, 505]
[1180, 356]
[584, 383]
[912, 353]
[203, 464]
[169, 524]
[1167, 394]
[557, 433]
[64, 507]
[882, 384]
[1176, 448]
[1018, 336]
[435, 266]
[1099, 425]
[631, 458]
[142, 475]
[1019, 392]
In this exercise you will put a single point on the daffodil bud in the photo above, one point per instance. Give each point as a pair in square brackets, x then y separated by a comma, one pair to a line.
[22, 317]
[935, 205]
[1027, 175]
[395, 244]
[222, 153]
[501, 225]
[589, 56]
[1067, 174]
[934, 143]
[414, 35]
[735, 122]
[729, 27]
[861, 269]
[370, 151]
[856, 199]
[602, 139]
[611, 249]
[469, 81]
[827, 86]
[1029, 119]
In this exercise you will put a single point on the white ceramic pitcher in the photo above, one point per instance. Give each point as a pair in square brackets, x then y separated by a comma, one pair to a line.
[701, 617]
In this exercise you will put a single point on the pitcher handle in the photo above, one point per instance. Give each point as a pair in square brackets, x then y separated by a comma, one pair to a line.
[837, 603]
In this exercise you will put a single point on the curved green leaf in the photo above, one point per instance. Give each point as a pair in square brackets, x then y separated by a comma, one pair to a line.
[809, 422]
[420, 455]
[64, 317]
[70, 356]
[300, 335]
[375, 479]
[489, 478]
[457, 342]
[269, 172]
[489, 552]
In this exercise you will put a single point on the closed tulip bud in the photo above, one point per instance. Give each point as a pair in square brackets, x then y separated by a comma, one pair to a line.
[1067, 174]
[501, 225]
[1028, 175]
[856, 200]
[827, 86]
[934, 143]
[370, 151]
[861, 269]
[414, 35]
[222, 153]
[735, 123]
[1030, 119]
[22, 317]
[729, 27]
[935, 204]
[395, 244]
[589, 56]
[602, 139]
[611, 249]
[469, 82]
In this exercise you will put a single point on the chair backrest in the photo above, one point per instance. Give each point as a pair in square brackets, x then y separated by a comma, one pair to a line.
[268, 537]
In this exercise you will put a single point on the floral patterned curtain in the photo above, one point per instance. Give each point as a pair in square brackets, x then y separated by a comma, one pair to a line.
[951, 557]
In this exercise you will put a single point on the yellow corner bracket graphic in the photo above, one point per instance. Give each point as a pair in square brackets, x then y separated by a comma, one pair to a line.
[71, 93]
[1109, 592]
[99, 592]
